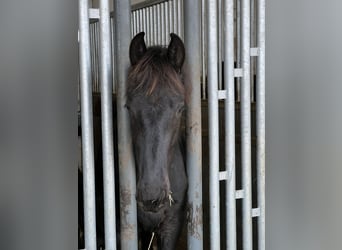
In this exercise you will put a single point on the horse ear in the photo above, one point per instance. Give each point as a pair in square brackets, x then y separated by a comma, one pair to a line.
[137, 48]
[176, 52]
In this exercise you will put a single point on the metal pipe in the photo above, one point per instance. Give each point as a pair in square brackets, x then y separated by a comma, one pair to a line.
[238, 46]
[167, 23]
[180, 18]
[159, 25]
[128, 218]
[204, 42]
[155, 25]
[175, 17]
[220, 45]
[87, 127]
[213, 127]
[162, 14]
[192, 40]
[107, 126]
[260, 114]
[253, 44]
[171, 16]
[229, 123]
[246, 127]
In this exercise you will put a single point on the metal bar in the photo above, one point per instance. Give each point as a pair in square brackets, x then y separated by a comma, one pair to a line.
[260, 116]
[148, 27]
[162, 14]
[204, 42]
[87, 127]
[220, 45]
[192, 28]
[229, 123]
[159, 25]
[97, 57]
[107, 126]
[246, 127]
[150, 10]
[155, 25]
[94, 13]
[213, 127]
[171, 16]
[253, 37]
[180, 17]
[128, 212]
[167, 23]
[175, 17]
[238, 46]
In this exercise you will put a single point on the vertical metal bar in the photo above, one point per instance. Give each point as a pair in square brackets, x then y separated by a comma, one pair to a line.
[155, 25]
[253, 44]
[246, 126]
[175, 17]
[148, 27]
[150, 9]
[192, 40]
[220, 45]
[204, 42]
[144, 20]
[171, 16]
[97, 57]
[159, 25]
[162, 14]
[128, 218]
[260, 113]
[238, 46]
[87, 128]
[167, 22]
[230, 122]
[113, 52]
[180, 18]
[107, 126]
[213, 127]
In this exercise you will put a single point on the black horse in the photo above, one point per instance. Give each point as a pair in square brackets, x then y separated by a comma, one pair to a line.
[156, 101]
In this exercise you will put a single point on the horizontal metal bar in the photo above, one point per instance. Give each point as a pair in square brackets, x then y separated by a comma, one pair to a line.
[222, 94]
[223, 175]
[254, 51]
[238, 72]
[94, 13]
[239, 194]
[145, 4]
[256, 212]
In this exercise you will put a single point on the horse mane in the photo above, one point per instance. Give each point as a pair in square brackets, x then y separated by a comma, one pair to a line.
[153, 71]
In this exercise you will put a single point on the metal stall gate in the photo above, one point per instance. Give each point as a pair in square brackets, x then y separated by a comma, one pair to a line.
[225, 65]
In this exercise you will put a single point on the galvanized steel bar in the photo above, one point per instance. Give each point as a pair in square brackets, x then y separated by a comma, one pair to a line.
[253, 44]
[175, 17]
[159, 25]
[238, 47]
[246, 127]
[192, 41]
[260, 114]
[220, 45]
[229, 122]
[180, 18]
[213, 127]
[155, 25]
[150, 10]
[162, 14]
[167, 23]
[107, 126]
[171, 16]
[87, 127]
[128, 218]
[204, 50]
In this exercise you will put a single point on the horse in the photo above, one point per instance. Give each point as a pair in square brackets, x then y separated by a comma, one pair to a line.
[156, 101]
